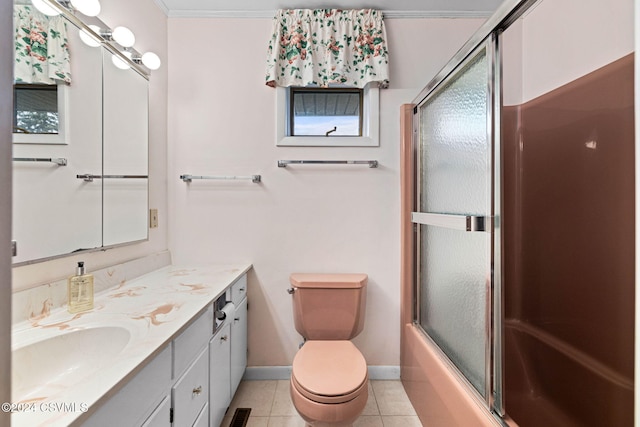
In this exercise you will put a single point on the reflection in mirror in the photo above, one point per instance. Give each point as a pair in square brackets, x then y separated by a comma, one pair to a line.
[97, 118]
[125, 182]
[53, 212]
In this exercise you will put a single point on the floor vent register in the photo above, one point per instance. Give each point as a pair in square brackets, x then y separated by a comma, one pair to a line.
[240, 417]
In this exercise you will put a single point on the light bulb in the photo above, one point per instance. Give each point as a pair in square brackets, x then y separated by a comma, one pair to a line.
[118, 62]
[89, 39]
[151, 60]
[123, 36]
[45, 7]
[87, 7]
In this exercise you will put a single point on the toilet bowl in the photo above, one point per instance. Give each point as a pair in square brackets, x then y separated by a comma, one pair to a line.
[329, 380]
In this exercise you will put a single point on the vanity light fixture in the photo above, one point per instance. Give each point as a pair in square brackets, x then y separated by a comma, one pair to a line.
[45, 7]
[123, 36]
[119, 62]
[90, 39]
[87, 7]
[149, 60]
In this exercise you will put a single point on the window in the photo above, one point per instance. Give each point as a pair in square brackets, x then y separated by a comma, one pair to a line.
[334, 116]
[325, 112]
[39, 113]
[35, 108]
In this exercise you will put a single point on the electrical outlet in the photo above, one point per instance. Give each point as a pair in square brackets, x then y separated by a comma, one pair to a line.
[153, 218]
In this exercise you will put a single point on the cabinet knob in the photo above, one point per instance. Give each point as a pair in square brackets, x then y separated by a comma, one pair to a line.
[197, 390]
[224, 338]
[237, 319]
[241, 289]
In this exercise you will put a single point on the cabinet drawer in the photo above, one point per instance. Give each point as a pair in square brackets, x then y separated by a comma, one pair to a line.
[191, 341]
[191, 391]
[132, 404]
[161, 415]
[203, 419]
[239, 290]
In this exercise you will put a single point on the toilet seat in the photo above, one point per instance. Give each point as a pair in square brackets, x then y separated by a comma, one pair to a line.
[329, 371]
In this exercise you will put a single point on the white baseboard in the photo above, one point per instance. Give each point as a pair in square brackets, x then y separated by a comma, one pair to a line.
[256, 373]
[389, 372]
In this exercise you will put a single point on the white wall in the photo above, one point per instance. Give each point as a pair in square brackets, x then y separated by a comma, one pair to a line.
[302, 218]
[150, 27]
[598, 33]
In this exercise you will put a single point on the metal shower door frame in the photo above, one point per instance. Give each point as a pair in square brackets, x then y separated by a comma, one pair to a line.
[488, 224]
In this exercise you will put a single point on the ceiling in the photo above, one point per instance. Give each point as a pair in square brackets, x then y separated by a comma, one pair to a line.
[266, 8]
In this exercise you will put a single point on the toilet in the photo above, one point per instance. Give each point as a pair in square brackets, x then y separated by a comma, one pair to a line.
[329, 380]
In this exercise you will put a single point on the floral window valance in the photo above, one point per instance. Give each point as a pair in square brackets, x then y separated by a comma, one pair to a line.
[41, 47]
[325, 46]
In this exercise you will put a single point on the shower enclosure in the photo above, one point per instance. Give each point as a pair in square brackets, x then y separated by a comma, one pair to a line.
[519, 224]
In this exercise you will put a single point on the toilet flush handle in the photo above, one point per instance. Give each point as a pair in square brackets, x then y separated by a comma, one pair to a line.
[291, 290]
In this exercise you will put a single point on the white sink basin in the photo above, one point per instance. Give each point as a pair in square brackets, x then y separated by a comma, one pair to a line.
[43, 367]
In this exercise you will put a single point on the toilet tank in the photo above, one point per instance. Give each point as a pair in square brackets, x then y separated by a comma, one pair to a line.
[329, 306]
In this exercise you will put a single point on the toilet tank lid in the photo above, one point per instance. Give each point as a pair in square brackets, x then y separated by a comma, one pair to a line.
[328, 280]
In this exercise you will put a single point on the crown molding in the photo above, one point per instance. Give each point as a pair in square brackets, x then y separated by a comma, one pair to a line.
[268, 14]
[163, 7]
[435, 14]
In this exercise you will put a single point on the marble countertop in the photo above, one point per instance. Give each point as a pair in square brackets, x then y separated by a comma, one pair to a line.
[153, 308]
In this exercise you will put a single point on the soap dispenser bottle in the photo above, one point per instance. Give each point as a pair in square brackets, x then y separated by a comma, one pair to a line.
[80, 290]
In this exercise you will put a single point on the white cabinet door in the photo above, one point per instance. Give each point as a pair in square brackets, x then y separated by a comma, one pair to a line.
[238, 345]
[219, 374]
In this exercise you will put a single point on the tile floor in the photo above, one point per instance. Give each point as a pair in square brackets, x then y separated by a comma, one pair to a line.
[388, 405]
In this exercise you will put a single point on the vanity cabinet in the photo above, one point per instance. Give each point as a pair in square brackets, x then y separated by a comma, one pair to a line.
[191, 381]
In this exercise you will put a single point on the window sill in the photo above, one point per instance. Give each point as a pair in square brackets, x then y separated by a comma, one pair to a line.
[41, 138]
[331, 141]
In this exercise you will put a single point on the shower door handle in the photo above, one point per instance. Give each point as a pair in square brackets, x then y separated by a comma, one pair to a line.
[456, 222]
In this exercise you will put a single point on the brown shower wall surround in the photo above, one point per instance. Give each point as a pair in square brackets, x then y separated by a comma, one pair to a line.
[569, 250]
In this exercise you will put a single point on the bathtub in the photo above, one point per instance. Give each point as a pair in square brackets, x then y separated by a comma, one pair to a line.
[549, 383]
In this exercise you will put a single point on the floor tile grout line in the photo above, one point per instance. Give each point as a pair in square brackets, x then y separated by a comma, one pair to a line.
[375, 398]
[273, 399]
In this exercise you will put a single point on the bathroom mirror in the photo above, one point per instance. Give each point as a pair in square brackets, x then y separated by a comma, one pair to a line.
[125, 111]
[88, 189]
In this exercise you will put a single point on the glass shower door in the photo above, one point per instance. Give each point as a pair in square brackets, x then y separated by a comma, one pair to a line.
[454, 247]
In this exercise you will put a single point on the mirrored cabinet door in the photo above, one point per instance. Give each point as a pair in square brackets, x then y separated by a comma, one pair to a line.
[125, 180]
[54, 212]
